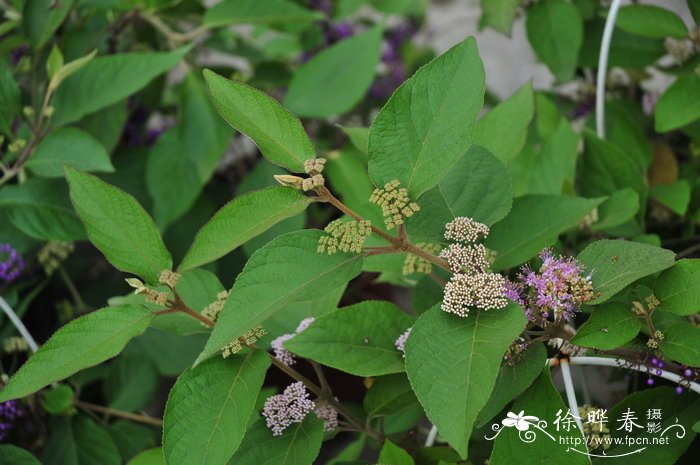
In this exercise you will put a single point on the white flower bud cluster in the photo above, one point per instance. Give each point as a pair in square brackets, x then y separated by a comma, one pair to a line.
[483, 291]
[466, 258]
[53, 254]
[169, 278]
[401, 341]
[277, 345]
[314, 165]
[344, 236]
[329, 415]
[313, 182]
[213, 310]
[156, 297]
[415, 264]
[292, 406]
[15, 344]
[248, 338]
[394, 203]
[464, 229]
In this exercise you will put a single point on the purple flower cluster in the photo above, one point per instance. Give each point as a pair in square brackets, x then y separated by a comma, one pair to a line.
[17, 53]
[400, 342]
[282, 354]
[282, 410]
[557, 290]
[392, 60]
[11, 263]
[332, 31]
[9, 413]
[136, 129]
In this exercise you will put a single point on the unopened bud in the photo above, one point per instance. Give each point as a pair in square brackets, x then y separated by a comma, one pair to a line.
[288, 180]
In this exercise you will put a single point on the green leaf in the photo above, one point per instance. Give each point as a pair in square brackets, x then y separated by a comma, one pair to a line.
[651, 21]
[285, 270]
[107, 125]
[230, 12]
[82, 343]
[321, 88]
[184, 158]
[624, 129]
[477, 186]
[298, 445]
[58, 399]
[620, 207]
[675, 196]
[513, 380]
[389, 395]
[41, 209]
[132, 438]
[538, 220]
[119, 226]
[79, 441]
[69, 68]
[543, 401]
[279, 135]
[453, 363]
[209, 407]
[609, 326]
[503, 129]
[358, 339]
[614, 264]
[359, 137]
[10, 103]
[394, 455]
[13, 455]
[499, 14]
[130, 383]
[678, 288]
[68, 146]
[429, 122]
[242, 219]
[682, 343]
[679, 105]
[149, 457]
[108, 79]
[626, 50]
[41, 18]
[555, 32]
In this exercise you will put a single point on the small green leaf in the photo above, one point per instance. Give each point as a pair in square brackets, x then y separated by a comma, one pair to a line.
[58, 399]
[614, 264]
[389, 395]
[429, 122]
[242, 219]
[358, 339]
[149, 457]
[453, 363]
[682, 343]
[503, 129]
[285, 270]
[298, 445]
[394, 455]
[359, 137]
[499, 14]
[79, 441]
[651, 21]
[609, 326]
[678, 288]
[279, 135]
[54, 62]
[68, 146]
[82, 343]
[555, 32]
[675, 196]
[209, 407]
[620, 207]
[230, 12]
[537, 220]
[69, 68]
[13, 455]
[41, 18]
[130, 383]
[119, 226]
[679, 105]
[320, 88]
[10, 103]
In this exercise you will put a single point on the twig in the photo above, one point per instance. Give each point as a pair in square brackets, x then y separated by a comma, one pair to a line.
[119, 413]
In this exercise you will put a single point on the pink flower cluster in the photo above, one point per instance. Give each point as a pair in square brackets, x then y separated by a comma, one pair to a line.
[282, 354]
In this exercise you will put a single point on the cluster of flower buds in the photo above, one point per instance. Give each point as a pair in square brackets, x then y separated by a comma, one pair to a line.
[283, 410]
[313, 167]
[11, 263]
[213, 310]
[53, 254]
[328, 414]
[472, 285]
[515, 351]
[400, 342]
[15, 344]
[248, 338]
[655, 340]
[394, 202]
[10, 412]
[415, 264]
[595, 427]
[169, 278]
[344, 236]
[277, 345]
[152, 295]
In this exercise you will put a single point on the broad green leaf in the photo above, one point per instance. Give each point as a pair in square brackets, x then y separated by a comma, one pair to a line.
[279, 135]
[620, 207]
[107, 125]
[609, 326]
[131, 438]
[108, 79]
[534, 223]
[542, 401]
[358, 339]
[171, 353]
[389, 395]
[350, 452]
[477, 186]
[10, 104]
[230, 12]
[426, 294]
[453, 363]
[503, 129]
[130, 383]
[429, 122]
[675, 196]
[622, 128]
[149, 457]
[322, 87]
[678, 288]
[285, 270]
[79, 441]
[615, 264]
[82, 343]
[68, 146]
[240, 220]
[58, 399]
[119, 226]
[682, 343]
[41, 209]
[209, 407]
[346, 172]
[555, 32]
[298, 445]
[499, 14]
[394, 455]
[184, 158]
[513, 380]
[41, 18]
[13, 455]
[626, 50]
[651, 21]
[683, 409]
[359, 137]
[679, 105]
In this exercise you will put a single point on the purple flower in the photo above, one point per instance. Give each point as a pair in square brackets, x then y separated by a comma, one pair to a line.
[17, 53]
[9, 413]
[401, 341]
[329, 415]
[282, 410]
[11, 263]
[277, 345]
